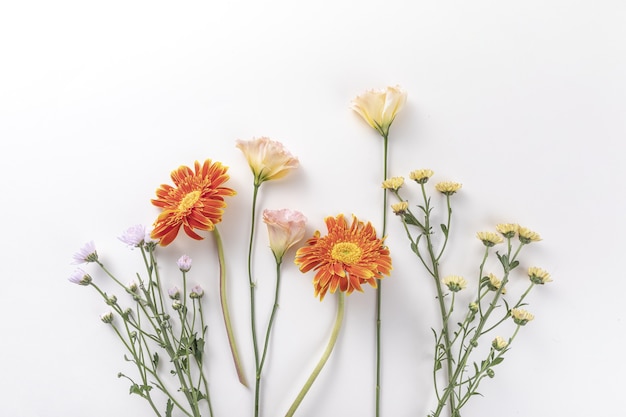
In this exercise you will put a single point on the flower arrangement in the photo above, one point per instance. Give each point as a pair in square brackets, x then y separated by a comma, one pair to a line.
[164, 331]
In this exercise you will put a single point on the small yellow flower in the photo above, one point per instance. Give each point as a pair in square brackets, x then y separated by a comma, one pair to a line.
[521, 316]
[455, 283]
[448, 187]
[499, 343]
[494, 283]
[489, 239]
[508, 230]
[538, 275]
[400, 208]
[421, 176]
[379, 107]
[526, 235]
[393, 183]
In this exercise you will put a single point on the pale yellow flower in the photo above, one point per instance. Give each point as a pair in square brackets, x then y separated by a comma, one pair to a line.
[380, 107]
[393, 183]
[538, 275]
[455, 283]
[527, 236]
[508, 230]
[489, 238]
[400, 208]
[521, 316]
[499, 343]
[268, 159]
[448, 187]
[421, 176]
[494, 283]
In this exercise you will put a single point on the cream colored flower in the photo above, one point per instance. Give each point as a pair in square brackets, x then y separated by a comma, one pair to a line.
[380, 107]
[421, 176]
[526, 235]
[489, 238]
[538, 275]
[499, 343]
[268, 159]
[494, 283]
[393, 183]
[448, 187]
[455, 283]
[285, 228]
[521, 316]
[400, 208]
[508, 230]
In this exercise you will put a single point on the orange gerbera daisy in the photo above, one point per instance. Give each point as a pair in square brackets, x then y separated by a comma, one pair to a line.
[195, 202]
[346, 258]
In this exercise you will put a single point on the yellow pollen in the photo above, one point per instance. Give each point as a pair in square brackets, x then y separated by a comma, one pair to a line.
[189, 201]
[346, 252]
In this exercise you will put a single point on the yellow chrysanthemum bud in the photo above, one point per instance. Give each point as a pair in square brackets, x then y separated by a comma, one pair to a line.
[499, 343]
[448, 187]
[489, 239]
[393, 183]
[521, 316]
[538, 275]
[508, 230]
[455, 283]
[527, 236]
[421, 176]
[400, 208]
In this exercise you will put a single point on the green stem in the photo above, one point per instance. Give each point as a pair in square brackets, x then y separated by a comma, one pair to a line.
[267, 340]
[379, 288]
[225, 311]
[323, 359]
[255, 343]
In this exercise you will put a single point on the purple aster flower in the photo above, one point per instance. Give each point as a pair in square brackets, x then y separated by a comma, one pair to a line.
[196, 292]
[86, 254]
[174, 293]
[80, 277]
[184, 263]
[134, 236]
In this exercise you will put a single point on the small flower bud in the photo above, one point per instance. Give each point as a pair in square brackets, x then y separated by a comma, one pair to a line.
[132, 287]
[455, 283]
[499, 343]
[177, 305]
[520, 316]
[474, 342]
[107, 317]
[184, 263]
[174, 293]
[490, 373]
[112, 300]
[196, 292]
[473, 307]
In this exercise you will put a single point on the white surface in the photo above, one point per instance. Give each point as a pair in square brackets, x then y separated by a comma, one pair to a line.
[522, 102]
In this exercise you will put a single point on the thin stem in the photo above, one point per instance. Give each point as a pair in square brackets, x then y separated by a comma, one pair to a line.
[255, 343]
[379, 282]
[323, 359]
[225, 311]
[267, 340]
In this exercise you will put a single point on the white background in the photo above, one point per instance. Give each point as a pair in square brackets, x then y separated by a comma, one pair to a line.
[522, 102]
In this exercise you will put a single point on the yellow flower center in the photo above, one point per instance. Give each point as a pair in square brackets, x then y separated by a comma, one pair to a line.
[346, 252]
[189, 201]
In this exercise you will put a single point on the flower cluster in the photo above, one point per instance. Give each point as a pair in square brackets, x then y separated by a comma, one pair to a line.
[162, 326]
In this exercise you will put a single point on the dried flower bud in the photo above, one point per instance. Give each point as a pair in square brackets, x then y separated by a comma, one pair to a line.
[112, 300]
[499, 343]
[107, 317]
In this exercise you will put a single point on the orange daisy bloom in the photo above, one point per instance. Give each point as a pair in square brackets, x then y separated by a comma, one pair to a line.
[346, 258]
[195, 202]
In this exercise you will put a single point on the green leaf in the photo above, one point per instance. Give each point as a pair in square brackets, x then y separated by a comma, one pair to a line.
[444, 229]
[514, 264]
[168, 408]
[135, 389]
[155, 360]
[497, 361]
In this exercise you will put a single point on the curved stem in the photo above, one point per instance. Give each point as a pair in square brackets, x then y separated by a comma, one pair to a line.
[323, 359]
[255, 343]
[226, 312]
